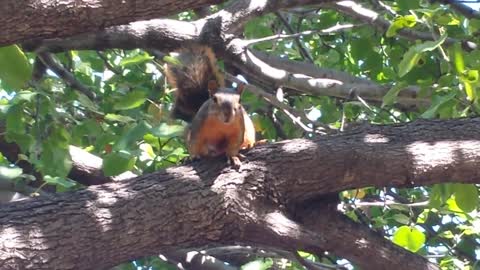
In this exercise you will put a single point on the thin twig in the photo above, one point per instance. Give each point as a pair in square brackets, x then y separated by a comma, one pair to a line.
[387, 8]
[333, 29]
[364, 103]
[391, 203]
[108, 65]
[303, 51]
[296, 116]
[49, 60]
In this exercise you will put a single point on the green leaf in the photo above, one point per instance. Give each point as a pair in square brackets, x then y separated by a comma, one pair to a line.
[54, 160]
[401, 218]
[469, 90]
[172, 60]
[399, 23]
[24, 96]
[132, 135]
[165, 130]
[258, 27]
[116, 163]
[468, 78]
[9, 173]
[409, 238]
[135, 60]
[411, 57]
[437, 101]
[87, 103]
[60, 137]
[258, 265]
[15, 120]
[466, 197]
[452, 206]
[130, 100]
[392, 94]
[25, 141]
[458, 58]
[15, 70]
[119, 118]
[439, 194]
[59, 181]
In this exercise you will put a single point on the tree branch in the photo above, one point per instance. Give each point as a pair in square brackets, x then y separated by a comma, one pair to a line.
[35, 16]
[367, 245]
[357, 11]
[225, 206]
[318, 85]
[463, 9]
[49, 60]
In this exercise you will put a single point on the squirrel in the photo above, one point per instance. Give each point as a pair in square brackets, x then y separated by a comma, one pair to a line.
[219, 125]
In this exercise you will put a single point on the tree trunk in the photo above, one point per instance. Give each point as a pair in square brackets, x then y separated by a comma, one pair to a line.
[205, 202]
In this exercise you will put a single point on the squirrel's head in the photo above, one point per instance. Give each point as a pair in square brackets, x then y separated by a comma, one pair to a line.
[226, 101]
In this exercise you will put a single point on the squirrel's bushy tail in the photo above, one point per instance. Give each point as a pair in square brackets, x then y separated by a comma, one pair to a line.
[190, 78]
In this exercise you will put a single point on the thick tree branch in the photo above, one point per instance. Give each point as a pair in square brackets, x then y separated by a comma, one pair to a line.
[318, 85]
[357, 11]
[463, 9]
[32, 19]
[365, 242]
[169, 33]
[225, 206]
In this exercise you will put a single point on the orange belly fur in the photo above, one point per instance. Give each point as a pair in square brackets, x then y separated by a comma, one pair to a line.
[216, 136]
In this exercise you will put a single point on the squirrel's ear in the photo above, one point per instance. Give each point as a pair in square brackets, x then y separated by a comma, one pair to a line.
[240, 88]
[212, 87]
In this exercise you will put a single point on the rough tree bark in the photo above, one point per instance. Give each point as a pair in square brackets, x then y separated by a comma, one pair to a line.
[27, 19]
[207, 203]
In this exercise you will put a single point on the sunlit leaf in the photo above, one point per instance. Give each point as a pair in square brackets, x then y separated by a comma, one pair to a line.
[135, 60]
[59, 181]
[401, 22]
[131, 100]
[9, 173]
[258, 265]
[119, 118]
[411, 57]
[466, 196]
[165, 130]
[409, 238]
[15, 70]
